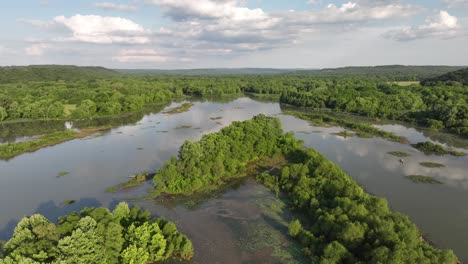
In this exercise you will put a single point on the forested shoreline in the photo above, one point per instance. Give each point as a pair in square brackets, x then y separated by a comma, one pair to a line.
[438, 107]
[344, 223]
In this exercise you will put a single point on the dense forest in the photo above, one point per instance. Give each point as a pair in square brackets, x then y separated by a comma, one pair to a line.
[344, 224]
[16, 74]
[438, 107]
[96, 235]
[455, 78]
[386, 73]
[217, 157]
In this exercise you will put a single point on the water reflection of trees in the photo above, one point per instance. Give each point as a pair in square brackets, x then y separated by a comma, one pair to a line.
[10, 132]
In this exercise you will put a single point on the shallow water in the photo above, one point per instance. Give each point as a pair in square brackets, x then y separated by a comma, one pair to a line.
[29, 183]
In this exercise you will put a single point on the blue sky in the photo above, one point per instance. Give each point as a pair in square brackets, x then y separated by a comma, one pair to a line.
[233, 33]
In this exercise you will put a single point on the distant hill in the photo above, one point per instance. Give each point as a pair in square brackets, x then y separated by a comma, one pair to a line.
[213, 71]
[389, 72]
[454, 78]
[53, 73]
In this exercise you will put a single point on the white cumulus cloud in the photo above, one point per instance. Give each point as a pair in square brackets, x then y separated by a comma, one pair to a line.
[208, 9]
[441, 25]
[102, 29]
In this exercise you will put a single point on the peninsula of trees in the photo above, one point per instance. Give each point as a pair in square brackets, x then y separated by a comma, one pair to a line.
[344, 224]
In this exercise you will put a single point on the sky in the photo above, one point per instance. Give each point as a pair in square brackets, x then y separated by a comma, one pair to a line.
[184, 34]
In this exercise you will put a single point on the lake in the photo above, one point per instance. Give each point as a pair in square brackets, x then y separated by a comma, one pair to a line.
[221, 226]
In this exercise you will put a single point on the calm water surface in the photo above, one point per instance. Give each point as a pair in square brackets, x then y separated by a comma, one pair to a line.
[220, 226]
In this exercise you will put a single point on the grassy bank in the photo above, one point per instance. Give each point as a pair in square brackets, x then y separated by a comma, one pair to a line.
[362, 129]
[10, 150]
[180, 109]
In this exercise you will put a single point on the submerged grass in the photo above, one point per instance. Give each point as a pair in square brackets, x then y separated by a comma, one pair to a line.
[344, 134]
[267, 234]
[183, 127]
[431, 165]
[361, 129]
[423, 179]
[400, 154]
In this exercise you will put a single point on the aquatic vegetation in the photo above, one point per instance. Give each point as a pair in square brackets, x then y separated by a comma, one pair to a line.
[183, 127]
[437, 149]
[68, 202]
[344, 134]
[11, 150]
[135, 180]
[62, 174]
[180, 109]
[431, 165]
[400, 154]
[423, 179]
[361, 129]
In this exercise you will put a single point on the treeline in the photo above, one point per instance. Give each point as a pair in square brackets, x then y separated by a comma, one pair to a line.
[439, 107]
[217, 157]
[344, 224]
[455, 78]
[15, 74]
[385, 72]
[96, 235]
[436, 107]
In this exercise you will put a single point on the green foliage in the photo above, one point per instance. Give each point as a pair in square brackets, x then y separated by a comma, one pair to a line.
[437, 149]
[10, 150]
[436, 107]
[347, 224]
[95, 235]
[35, 238]
[3, 114]
[362, 129]
[454, 78]
[220, 156]
[52, 73]
[386, 72]
[431, 165]
[353, 90]
[423, 179]
[342, 223]
[294, 228]
[400, 154]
